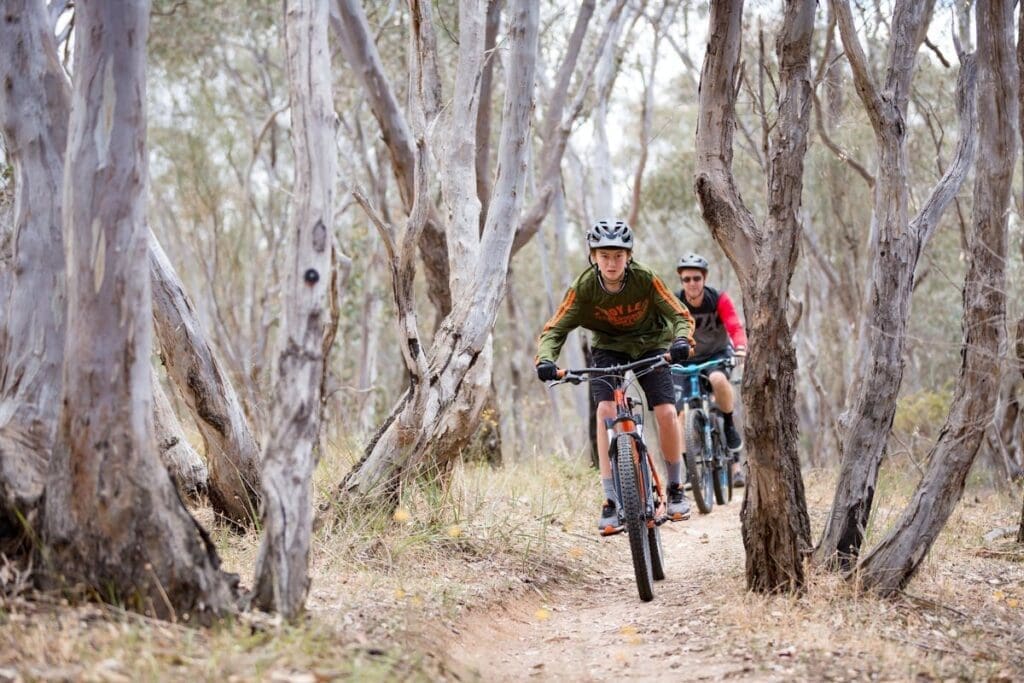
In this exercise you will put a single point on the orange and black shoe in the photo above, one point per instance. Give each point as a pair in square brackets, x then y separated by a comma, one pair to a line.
[678, 506]
[609, 524]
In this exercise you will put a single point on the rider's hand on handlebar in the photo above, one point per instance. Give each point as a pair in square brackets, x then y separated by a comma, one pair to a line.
[680, 350]
[547, 371]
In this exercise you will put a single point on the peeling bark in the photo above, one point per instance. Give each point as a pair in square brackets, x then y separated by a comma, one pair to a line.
[34, 105]
[776, 528]
[202, 381]
[448, 386]
[113, 520]
[896, 558]
[897, 243]
[282, 567]
[187, 469]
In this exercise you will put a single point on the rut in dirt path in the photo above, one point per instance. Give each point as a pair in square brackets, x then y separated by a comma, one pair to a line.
[600, 630]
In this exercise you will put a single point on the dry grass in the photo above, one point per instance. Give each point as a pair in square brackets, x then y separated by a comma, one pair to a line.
[385, 588]
[388, 593]
[961, 617]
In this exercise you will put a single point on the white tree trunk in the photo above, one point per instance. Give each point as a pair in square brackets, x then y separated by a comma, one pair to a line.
[202, 381]
[436, 415]
[282, 578]
[34, 103]
[360, 51]
[186, 468]
[113, 520]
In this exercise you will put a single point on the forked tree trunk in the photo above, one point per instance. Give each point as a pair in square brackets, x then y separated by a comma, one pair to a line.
[891, 564]
[437, 413]
[357, 44]
[282, 567]
[776, 529]
[201, 379]
[113, 520]
[187, 469]
[897, 243]
[34, 103]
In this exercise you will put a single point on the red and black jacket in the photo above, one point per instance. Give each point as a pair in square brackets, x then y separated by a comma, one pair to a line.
[717, 324]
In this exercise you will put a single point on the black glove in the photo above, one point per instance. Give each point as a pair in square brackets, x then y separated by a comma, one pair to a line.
[547, 371]
[679, 351]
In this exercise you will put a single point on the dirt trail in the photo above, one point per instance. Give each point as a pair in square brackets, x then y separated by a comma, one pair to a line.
[601, 631]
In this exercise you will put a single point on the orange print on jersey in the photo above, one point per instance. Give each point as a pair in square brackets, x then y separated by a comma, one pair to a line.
[623, 315]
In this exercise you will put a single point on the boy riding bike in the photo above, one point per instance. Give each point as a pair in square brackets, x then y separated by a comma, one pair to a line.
[718, 332]
[632, 315]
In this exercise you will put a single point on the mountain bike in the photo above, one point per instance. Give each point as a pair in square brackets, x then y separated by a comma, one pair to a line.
[708, 460]
[643, 507]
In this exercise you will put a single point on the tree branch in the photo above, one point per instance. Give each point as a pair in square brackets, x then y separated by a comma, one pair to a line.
[944, 192]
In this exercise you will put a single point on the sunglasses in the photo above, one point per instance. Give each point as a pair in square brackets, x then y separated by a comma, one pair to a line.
[691, 278]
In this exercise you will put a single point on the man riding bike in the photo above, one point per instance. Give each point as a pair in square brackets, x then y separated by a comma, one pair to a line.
[632, 315]
[719, 334]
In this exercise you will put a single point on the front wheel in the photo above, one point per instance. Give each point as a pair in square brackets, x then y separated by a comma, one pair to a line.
[635, 518]
[657, 553]
[723, 471]
[698, 462]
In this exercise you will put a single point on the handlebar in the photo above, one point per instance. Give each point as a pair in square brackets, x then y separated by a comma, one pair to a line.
[577, 376]
[729, 362]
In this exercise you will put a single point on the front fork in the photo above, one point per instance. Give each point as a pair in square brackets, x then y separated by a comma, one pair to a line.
[705, 427]
[651, 513]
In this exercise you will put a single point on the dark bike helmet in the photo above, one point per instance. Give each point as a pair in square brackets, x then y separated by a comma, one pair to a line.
[692, 260]
[610, 234]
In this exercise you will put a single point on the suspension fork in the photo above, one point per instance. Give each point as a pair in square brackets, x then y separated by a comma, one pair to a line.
[624, 427]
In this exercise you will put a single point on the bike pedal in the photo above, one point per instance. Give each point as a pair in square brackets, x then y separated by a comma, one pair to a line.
[612, 530]
[679, 517]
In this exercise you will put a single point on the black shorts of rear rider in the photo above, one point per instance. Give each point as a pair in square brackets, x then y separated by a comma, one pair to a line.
[679, 380]
[656, 383]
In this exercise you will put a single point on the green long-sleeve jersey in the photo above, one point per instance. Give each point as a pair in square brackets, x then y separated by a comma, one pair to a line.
[643, 316]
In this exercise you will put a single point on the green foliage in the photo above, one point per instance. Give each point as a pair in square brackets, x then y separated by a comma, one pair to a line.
[921, 414]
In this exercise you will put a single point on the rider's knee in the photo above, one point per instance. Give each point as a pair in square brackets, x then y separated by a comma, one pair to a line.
[665, 411]
[605, 409]
[719, 382]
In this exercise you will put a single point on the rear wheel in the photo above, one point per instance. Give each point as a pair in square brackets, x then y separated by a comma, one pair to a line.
[698, 462]
[634, 518]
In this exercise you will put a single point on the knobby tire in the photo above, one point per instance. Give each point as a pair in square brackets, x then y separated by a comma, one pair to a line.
[634, 517]
[697, 469]
[722, 470]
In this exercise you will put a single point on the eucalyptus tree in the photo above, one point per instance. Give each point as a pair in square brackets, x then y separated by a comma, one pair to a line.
[450, 376]
[198, 374]
[896, 245]
[776, 528]
[282, 578]
[34, 109]
[187, 469]
[39, 108]
[112, 518]
[896, 558]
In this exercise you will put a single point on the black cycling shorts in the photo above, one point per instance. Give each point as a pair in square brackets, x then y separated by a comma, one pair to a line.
[656, 383]
[679, 380]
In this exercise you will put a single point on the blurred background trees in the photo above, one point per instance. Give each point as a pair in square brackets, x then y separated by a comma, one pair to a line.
[220, 201]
